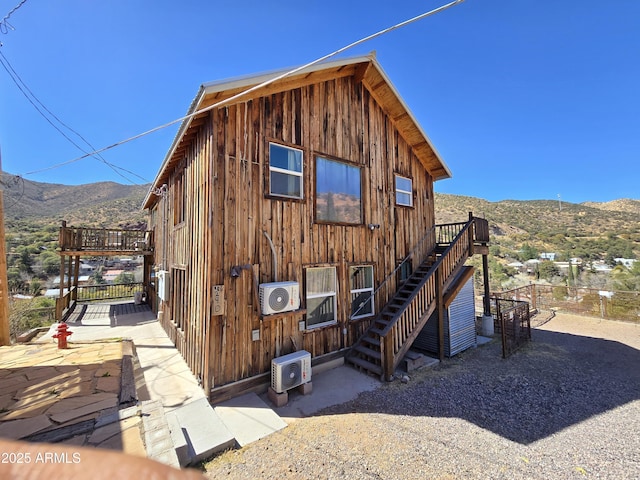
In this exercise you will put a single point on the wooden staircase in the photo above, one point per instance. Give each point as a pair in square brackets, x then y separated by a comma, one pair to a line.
[392, 332]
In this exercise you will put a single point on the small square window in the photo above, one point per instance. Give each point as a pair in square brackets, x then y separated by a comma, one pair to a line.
[285, 171]
[404, 191]
[322, 295]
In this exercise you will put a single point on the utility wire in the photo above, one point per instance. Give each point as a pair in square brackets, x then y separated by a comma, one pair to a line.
[5, 26]
[252, 89]
[30, 96]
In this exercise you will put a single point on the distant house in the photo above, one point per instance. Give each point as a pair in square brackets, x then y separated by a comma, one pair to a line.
[109, 276]
[290, 218]
[601, 267]
[86, 268]
[531, 266]
[627, 262]
[517, 265]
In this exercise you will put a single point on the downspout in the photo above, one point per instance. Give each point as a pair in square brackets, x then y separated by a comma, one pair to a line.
[273, 256]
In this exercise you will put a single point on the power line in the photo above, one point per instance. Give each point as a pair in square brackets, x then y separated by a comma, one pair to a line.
[5, 26]
[31, 97]
[252, 89]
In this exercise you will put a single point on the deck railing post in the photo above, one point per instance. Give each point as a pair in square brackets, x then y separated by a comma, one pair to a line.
[470, 234]
[534, 300]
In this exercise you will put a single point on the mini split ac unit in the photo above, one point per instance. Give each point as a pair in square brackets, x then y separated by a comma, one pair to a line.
[163, 285]
[291, 370]
[279, 297]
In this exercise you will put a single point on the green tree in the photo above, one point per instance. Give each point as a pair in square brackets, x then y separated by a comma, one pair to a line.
[626, 279]
[25, 262]
[548, 270]
[34, 287]
[125, 277]
[96, 277]
[528, 252]
[50, 262]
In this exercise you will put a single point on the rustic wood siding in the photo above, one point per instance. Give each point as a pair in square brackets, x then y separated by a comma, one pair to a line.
[226, 175]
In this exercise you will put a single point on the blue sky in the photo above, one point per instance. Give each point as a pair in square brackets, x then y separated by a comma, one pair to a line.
[523, 99]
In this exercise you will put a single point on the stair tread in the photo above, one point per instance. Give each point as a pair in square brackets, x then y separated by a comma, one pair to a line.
[372, 367]
[368, 351]
[372, 341]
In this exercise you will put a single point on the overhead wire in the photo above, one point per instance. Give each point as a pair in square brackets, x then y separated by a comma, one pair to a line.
[251, 89]
[33, 99]
[5, 26]
[16, 179]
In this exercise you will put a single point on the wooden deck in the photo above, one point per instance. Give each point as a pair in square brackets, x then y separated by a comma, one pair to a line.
[76, 242]
[103, 241]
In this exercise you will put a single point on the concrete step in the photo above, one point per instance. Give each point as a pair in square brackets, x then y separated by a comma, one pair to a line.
[198, 432]
[414, 360]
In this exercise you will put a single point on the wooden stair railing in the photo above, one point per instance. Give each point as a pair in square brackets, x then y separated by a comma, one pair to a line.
[381, 348]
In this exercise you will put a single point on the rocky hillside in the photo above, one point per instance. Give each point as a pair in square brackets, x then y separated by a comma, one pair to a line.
[104, 204]
[544, 217]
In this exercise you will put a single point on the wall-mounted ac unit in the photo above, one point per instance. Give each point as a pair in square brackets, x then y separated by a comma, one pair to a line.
[291, 370]
[163, 283]
[276, 297]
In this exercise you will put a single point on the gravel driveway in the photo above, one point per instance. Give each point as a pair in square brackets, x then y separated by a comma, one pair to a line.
[567, 405]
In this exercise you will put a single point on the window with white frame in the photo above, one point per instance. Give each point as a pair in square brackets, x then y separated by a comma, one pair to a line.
[285, 171]
[404, 191]
[322, 290]
[361, 285]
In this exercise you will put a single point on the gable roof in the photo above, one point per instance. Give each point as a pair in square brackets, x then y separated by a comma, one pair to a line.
[363, 68]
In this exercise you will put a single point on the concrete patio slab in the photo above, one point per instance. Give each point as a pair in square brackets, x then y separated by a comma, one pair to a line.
[332, 385]
[249, 418]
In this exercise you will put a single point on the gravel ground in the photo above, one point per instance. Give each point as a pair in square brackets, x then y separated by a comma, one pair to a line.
[567, 405]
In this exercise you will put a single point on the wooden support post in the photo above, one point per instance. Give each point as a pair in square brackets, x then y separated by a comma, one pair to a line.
[386, 352]
[487, 292]
[76, 275]
[470, 234]
[69, 273]
[60, 299]
[534, 299]
[440, 310]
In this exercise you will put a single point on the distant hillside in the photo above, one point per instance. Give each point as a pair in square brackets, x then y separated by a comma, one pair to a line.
[544, 217]
[103, 204]
[625, 205]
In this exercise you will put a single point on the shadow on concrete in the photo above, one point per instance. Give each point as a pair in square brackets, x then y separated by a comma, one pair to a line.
[556, 381]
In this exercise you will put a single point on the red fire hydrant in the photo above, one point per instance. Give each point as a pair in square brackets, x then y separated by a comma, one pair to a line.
[62, 335]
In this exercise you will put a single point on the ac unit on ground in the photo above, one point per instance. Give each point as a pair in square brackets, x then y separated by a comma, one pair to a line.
[291, 370]
[276, 297]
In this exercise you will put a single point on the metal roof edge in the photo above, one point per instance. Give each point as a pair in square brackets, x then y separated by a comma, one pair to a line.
[413, 119]
[174, 144]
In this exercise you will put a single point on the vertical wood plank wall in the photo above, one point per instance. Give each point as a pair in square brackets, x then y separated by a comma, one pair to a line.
[225, 173]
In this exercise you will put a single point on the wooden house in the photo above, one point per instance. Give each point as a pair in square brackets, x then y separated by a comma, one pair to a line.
[320, 184]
